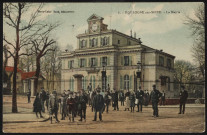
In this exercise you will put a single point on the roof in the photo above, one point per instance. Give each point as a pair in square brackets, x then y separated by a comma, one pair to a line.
[27, 75]
[94, 16]
[11, 69]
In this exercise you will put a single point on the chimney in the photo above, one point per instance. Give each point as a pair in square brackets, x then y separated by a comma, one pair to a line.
[131, 33]
[134, 34]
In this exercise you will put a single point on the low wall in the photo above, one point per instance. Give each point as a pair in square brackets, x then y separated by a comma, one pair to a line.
[176, 101]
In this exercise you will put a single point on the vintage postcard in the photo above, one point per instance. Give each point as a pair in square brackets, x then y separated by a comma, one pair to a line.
[127, 67]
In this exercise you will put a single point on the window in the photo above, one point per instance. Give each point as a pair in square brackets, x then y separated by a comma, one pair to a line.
[71, 64]
[126, 82]
[118, 41]
[94, 43]
[129, 42]
[93, 62]
[104, 59]
[161, 60]
[126, 60]
[82, 62]
[169, 63]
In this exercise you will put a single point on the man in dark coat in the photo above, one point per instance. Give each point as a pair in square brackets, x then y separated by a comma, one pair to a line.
[43, 98]
[107, 101]
[154, 97]
[183, 99]
[163, 98]
[116, 99]
[53, 106]
[139, 96]
[37, 107]
[121, 97]
[63, 106]
[82, 101]
[98, 103]
[71, 106]
[29, 95]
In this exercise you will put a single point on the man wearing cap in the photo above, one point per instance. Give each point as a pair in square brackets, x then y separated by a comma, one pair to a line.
[154, 97]
[98, 103]
[183, 99]
[71, 106]
[82, 101]
[53, 106]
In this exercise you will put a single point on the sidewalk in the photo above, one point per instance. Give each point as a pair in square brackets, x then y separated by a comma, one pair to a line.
[24, 115]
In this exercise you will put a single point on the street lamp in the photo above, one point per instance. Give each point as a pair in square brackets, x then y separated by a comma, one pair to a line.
[139, 71]
[103, 76]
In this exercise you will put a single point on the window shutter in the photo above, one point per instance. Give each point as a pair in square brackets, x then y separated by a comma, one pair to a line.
[85, 63]
[121, 82]
[90, 42]
[108, 61]
[86, 43]
[122, 60]
[108, 40]
[101, 41]
[130, 60]
[89, 62]
[96, 42]
[78, 62]
[80, 44]
[96, 61]
[101, 61]
[69, 64]
[130, 82]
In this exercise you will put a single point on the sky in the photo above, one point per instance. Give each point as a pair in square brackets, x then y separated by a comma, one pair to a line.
[159, 25]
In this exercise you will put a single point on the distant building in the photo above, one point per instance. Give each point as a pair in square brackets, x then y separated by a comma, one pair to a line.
[120, 53]
[25, 80]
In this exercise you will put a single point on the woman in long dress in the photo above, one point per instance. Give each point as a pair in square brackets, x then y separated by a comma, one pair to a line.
[127, 94]
[37, 107]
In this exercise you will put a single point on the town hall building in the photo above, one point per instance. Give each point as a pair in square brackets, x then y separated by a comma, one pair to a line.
[121, 56]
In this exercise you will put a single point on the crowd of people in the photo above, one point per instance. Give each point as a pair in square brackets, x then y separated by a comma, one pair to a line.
[74, 104]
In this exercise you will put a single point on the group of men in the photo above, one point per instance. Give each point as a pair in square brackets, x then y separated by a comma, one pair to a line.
[75, 103]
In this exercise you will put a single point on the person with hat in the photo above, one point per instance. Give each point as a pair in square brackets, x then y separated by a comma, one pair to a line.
[71, 106]
[139, 97]
[37, 106]
[98, 103]
[82, 101]
[116, 100]
[29, 95]
[63, 107]
[53, 106]
[132, 101]
[154, 97]
[183, 99]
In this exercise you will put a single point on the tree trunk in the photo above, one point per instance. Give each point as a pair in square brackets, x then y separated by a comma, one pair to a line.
[14, 93]
[37, 74]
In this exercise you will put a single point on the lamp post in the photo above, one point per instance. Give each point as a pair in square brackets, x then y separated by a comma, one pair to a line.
[138, 72]
[103, 77]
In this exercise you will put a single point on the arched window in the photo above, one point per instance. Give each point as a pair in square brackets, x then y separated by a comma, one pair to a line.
[126, 82]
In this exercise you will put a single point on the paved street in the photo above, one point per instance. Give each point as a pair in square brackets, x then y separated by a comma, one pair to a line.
[114, 122]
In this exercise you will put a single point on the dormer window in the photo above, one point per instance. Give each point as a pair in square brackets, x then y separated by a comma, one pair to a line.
[118, 41]
[94, 43]
[83, 44]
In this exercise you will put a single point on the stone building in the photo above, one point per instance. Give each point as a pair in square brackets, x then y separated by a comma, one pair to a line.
[120, 54]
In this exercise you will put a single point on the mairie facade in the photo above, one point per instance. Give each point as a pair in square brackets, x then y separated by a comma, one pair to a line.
[120, 54]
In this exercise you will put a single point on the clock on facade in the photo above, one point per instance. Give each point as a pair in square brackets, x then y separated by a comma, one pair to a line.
[94, 27]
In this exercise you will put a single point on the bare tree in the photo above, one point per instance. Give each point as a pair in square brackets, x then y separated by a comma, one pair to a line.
[24, 32]
[197, 26]
[41, 46]
[6, 76]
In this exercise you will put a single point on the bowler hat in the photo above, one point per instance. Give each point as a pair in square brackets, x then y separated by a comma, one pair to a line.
[154, 85]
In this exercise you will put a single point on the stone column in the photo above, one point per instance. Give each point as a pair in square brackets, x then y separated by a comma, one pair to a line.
[32, 87]
[25, 86]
